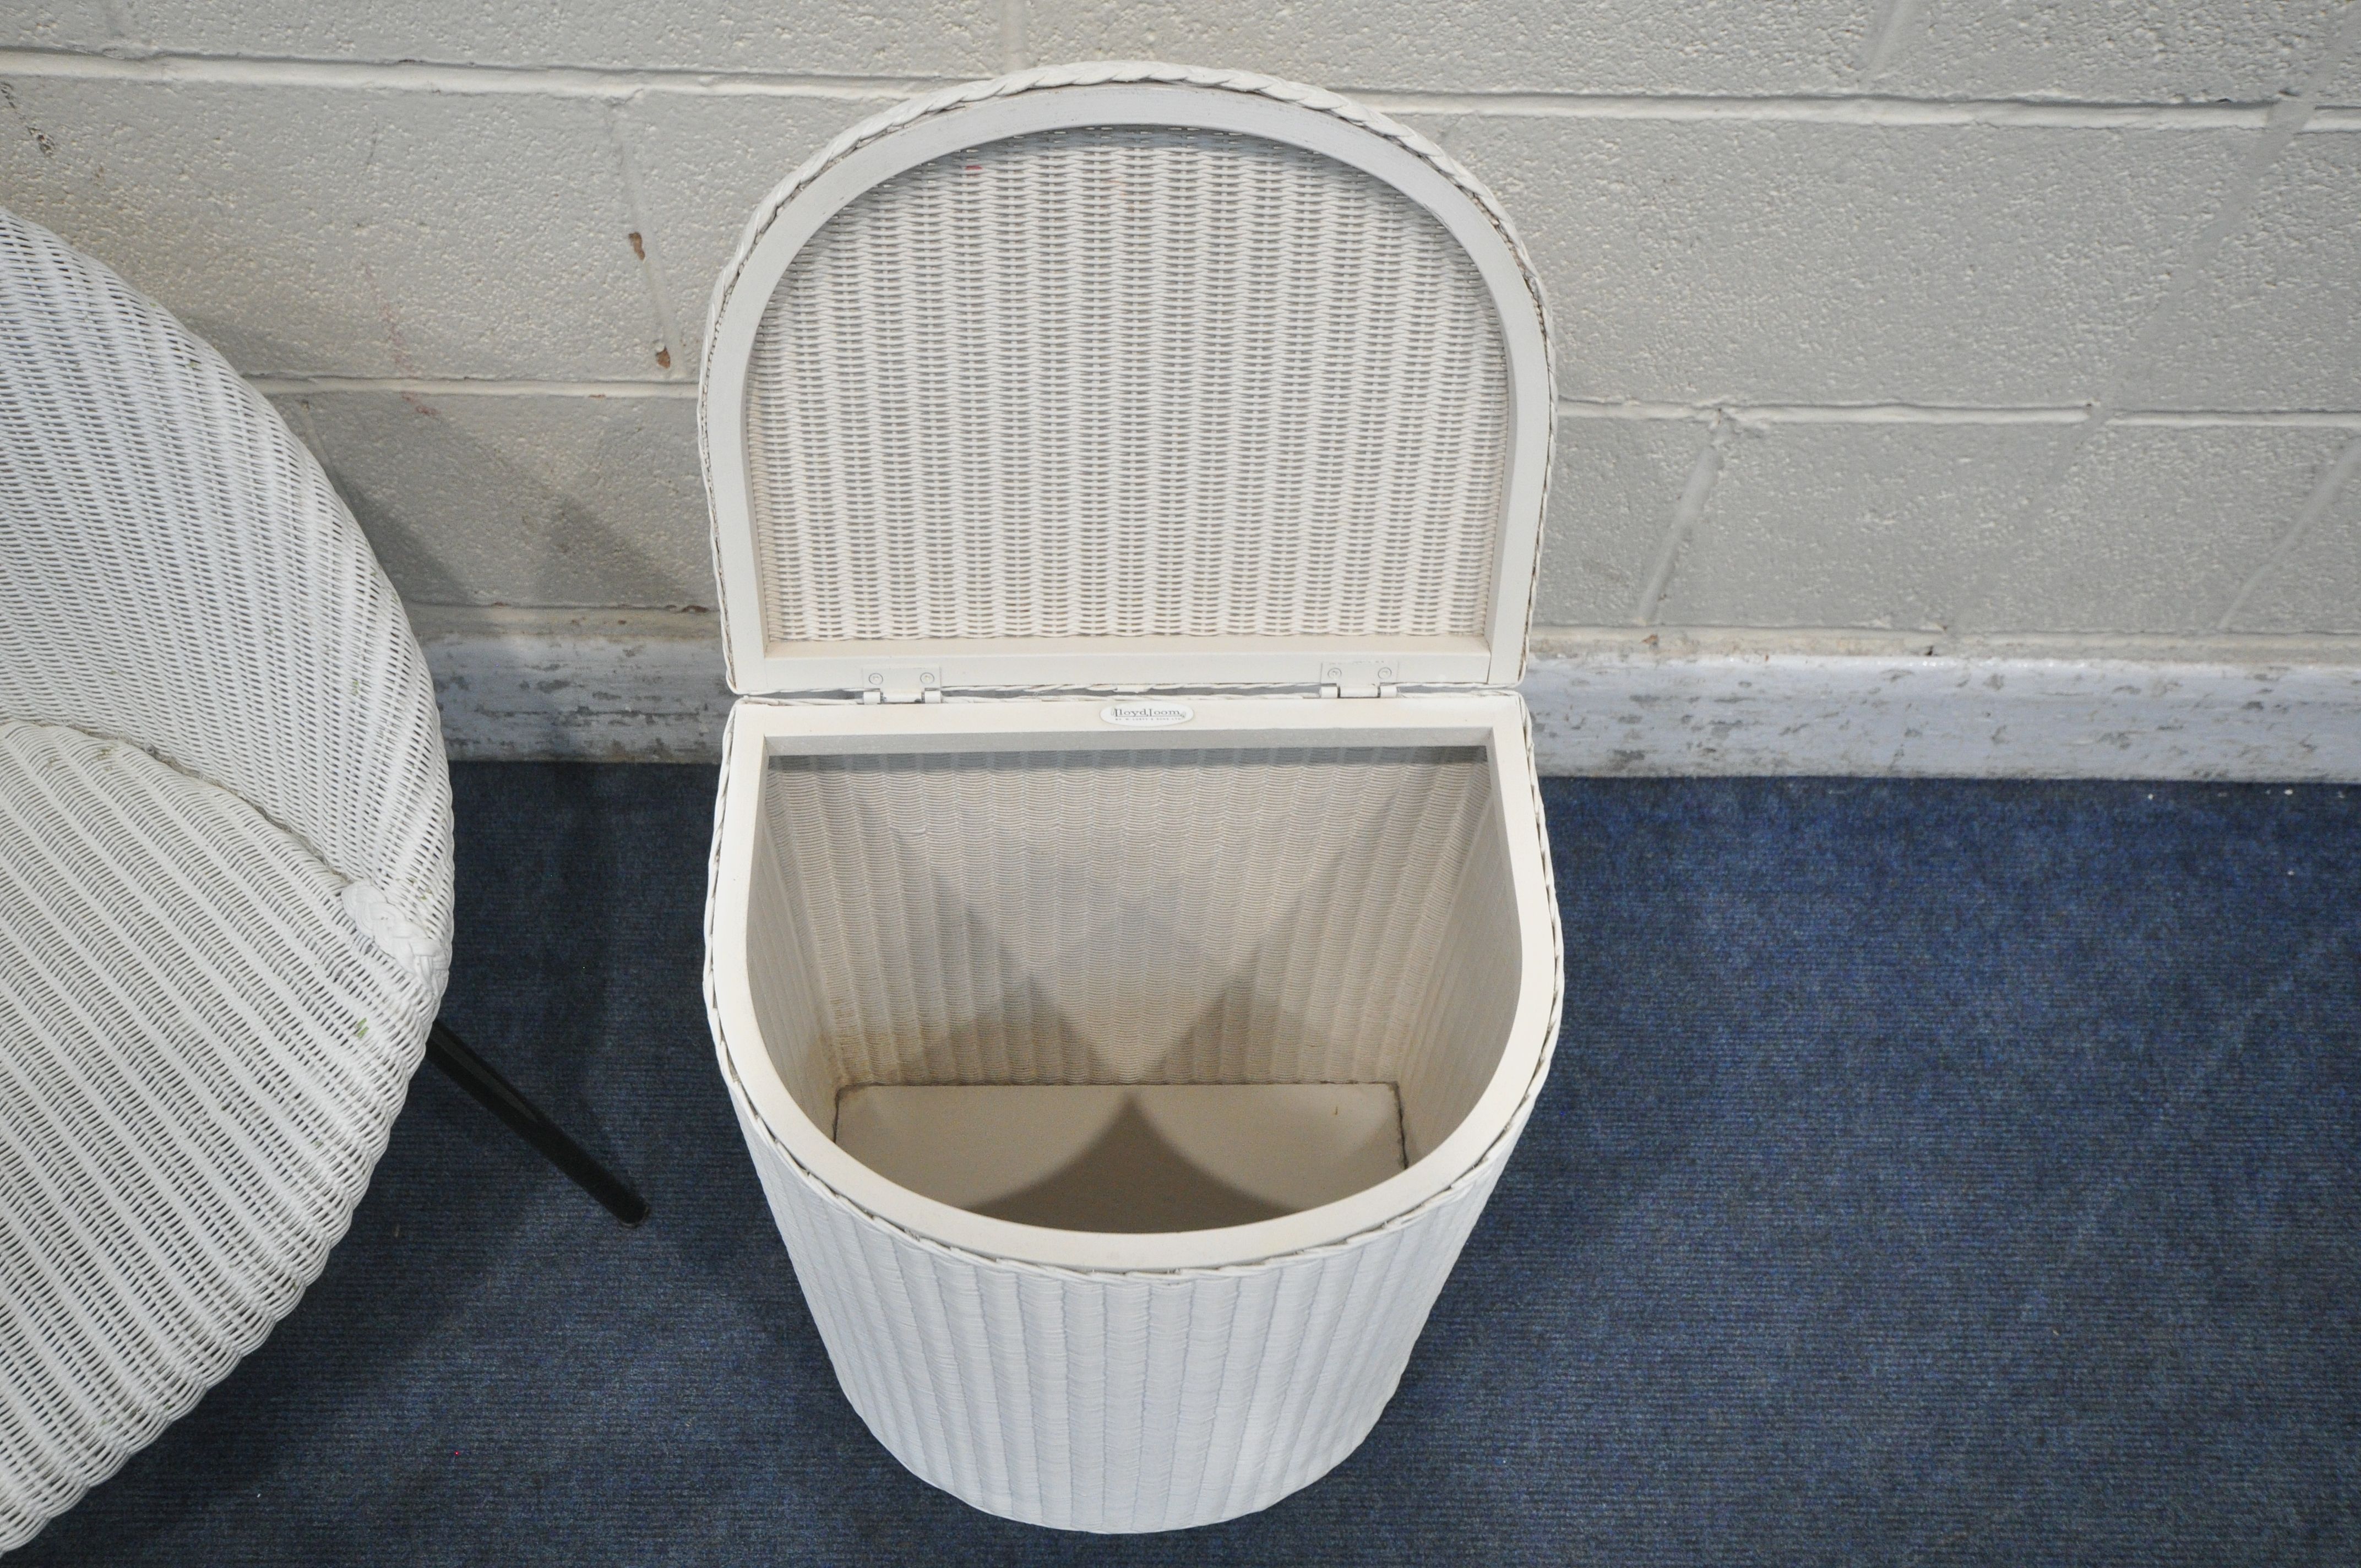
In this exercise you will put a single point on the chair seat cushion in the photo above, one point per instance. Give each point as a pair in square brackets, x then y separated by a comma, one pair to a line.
[203, 1045]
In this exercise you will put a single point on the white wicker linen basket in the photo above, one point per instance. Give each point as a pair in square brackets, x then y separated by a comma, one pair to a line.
[1131, 947]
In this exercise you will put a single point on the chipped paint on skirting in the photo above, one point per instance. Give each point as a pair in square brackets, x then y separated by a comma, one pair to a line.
[647, 686]
[637, 686]
[1944, 715]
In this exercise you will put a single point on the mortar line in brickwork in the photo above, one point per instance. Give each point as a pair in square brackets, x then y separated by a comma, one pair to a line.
[1865, 110]
[1572, 407]
[618, 83]
[2287, 119]
[2308, 419]
[556, 80]
[1724, 641]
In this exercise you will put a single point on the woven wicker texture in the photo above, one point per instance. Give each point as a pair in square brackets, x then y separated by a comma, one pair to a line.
[1114, 1401]
[1307, 915]
[1149, 916]
[1129, 382]
[204, 1056]
[1126, 382]
[180, 573]
[224, 871]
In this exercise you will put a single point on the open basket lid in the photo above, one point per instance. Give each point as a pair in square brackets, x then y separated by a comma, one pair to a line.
[1126, 375]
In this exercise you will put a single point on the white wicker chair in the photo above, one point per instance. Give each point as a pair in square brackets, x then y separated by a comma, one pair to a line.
[225, 871]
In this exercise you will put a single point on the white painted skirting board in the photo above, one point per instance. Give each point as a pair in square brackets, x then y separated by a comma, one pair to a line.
[647, 685]
[606, 686]
[1945, 717]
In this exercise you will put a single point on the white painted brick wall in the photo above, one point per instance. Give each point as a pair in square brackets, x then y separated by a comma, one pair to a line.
[2339, 83]
[2273, 322]
[504, 500]
[2103, 50]
[1613, 47]
[890, 38]
[703, 163]
[1907, 513]
[1611, 491]
[2090, 50]
[1958, 317]
[2309, 583]
[2158, 527]
[311, 230]
[1771, 262]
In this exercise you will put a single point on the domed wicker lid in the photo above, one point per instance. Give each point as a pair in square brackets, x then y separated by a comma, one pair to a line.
[1126, 375]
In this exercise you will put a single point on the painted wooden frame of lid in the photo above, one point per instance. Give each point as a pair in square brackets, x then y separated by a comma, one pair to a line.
[1074, 97]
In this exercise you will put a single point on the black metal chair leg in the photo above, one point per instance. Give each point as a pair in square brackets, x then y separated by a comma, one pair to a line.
[474, 1074]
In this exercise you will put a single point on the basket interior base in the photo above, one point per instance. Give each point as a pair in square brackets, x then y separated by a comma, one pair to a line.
[1136, 1158]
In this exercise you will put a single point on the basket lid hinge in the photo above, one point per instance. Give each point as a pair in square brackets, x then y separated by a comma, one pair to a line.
[1357, 678]
[889, 683]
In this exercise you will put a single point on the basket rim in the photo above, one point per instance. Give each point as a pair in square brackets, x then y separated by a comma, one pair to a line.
[1465, 1161]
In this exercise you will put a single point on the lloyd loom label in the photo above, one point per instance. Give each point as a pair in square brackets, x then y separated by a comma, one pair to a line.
[1146, 715]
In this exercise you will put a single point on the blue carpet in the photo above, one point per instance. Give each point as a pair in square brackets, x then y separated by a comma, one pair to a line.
[1930, 1172]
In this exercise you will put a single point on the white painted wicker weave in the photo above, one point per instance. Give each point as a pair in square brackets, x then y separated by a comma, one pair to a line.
[1092, 375]
[224, 871]
[1166, 296]
[1197, 336]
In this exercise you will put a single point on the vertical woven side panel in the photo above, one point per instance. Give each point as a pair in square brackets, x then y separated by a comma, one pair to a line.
[786, 1002]
[1471, 997]
[1118, 1402]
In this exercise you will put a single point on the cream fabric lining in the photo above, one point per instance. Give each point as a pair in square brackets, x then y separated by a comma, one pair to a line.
[1295, 915]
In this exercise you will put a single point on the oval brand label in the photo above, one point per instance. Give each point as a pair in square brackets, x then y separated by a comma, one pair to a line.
[1144, 714]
